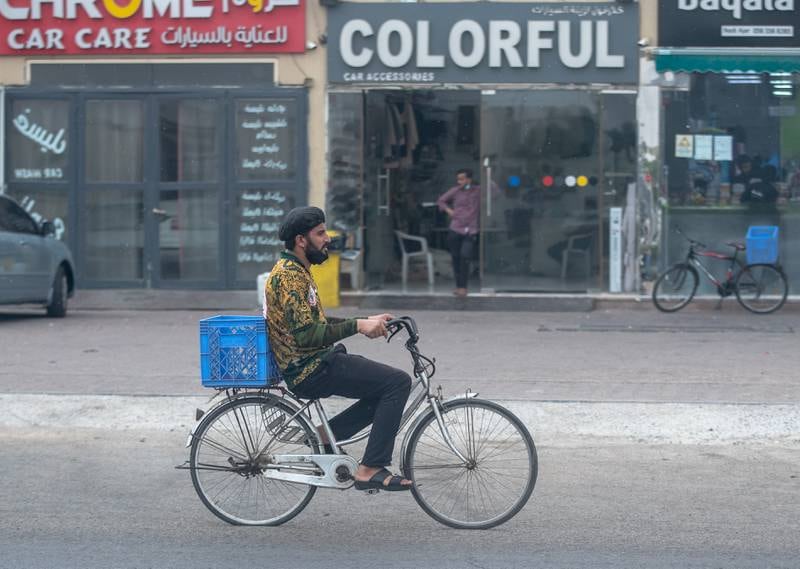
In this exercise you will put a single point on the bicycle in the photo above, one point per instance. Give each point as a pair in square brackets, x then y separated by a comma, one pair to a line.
[760, 287]
[256, 457]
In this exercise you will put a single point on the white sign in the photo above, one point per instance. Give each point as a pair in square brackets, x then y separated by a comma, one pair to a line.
[723, 148]
[684, 146]
[615, 249]
[703, 144]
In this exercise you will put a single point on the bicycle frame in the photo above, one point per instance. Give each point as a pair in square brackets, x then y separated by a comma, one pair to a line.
[430, 400]
[693, 255]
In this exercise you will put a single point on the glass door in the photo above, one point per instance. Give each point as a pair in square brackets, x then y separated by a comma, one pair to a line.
[111, 201]
[540, 177]
[187, 202]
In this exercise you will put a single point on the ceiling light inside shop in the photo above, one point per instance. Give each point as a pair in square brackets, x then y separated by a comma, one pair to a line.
[782, 93]
[741, 78]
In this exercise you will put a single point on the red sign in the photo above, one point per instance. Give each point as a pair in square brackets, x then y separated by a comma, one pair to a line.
[83, 27]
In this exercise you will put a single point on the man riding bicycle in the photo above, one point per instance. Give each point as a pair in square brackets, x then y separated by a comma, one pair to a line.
[302, 339]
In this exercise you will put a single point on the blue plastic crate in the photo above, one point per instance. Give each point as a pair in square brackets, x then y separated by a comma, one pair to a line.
[234, 352]
[762, 244]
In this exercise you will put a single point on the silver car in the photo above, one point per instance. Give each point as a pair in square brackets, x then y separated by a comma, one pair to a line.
[35, 267]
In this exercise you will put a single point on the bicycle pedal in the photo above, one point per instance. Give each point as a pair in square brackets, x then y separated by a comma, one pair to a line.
[372, 491]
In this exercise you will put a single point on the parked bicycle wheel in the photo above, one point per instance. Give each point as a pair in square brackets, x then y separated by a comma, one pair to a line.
[229, 456]
[761, 288]
[675, 288]
[495, 482]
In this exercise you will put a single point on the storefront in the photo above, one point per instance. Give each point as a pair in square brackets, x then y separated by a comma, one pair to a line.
[731, 133]
[158, 171]
[538, 100]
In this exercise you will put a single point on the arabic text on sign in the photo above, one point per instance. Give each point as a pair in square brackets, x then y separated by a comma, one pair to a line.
[48, 141]
[147, 9]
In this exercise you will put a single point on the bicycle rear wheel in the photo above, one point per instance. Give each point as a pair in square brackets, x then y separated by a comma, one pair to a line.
[496, 481]
[229, 457]
[675, 288]
[761, 288]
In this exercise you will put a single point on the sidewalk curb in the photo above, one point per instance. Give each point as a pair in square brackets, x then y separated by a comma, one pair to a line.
[551, 423]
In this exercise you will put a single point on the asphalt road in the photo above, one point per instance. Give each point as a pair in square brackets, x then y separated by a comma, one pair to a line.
[91, 498]
[726, 356]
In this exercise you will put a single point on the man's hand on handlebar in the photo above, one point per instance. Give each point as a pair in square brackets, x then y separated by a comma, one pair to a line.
[385, 317]
[372, 327]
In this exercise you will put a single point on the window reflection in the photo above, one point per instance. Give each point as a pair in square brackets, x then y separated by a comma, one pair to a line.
[189, 141]
[114, 141]
[189, 235]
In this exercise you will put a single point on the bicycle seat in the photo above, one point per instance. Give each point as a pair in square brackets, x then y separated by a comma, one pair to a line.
[735, 245]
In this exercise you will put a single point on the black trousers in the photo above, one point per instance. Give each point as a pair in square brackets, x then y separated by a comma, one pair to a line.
[381, 390]
[462, 248]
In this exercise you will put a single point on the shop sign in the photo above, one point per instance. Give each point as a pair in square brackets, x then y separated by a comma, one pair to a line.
[728, 23]
[483, 43]
[72, 27]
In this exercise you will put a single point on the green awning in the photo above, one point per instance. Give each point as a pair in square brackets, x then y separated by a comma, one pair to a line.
[719, 62]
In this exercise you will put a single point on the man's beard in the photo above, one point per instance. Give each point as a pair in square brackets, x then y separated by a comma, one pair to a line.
[316, 256]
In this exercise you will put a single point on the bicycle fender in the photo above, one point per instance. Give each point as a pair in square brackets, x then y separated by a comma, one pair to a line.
[420, 417]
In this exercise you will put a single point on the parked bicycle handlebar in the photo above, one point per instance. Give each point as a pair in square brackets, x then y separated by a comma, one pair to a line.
[690, 240]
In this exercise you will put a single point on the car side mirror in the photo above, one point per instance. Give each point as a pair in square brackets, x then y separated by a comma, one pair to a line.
[48, 228]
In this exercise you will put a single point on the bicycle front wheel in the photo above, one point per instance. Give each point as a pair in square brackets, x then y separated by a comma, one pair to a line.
[229, 456]
[497, 478]
[675, 288]
[761, 288]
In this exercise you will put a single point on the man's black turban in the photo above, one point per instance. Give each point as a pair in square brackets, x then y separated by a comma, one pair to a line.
[299, 221]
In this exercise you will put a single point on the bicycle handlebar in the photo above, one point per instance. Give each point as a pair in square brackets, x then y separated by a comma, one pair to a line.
[394, 326]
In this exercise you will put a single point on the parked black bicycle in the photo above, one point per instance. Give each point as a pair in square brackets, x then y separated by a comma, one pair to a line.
[760, 287]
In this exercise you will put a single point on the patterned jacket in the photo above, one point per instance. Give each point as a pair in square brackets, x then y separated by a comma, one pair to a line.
[299, 333]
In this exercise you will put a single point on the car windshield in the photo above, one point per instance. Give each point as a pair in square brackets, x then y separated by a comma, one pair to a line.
[14, 218]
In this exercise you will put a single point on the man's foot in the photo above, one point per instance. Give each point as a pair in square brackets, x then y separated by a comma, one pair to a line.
[378, 478]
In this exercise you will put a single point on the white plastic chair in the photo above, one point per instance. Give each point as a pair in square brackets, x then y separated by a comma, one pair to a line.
[350, 263]
[572, 250]
[424, 252]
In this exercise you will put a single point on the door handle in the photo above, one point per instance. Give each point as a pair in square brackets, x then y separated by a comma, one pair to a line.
[159, 211]
[487, 165]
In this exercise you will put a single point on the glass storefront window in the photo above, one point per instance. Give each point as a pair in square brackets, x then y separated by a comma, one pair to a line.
[188, 140]
[265, 132]
[732, 156]
[732, 140]
[114, 140]
[258, 215]
[345, 161]
[38, 140]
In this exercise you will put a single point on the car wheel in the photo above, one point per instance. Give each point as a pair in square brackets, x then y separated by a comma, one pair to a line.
[58, 300]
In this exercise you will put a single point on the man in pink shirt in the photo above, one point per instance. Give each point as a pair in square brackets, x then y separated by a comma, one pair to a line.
[463, 204]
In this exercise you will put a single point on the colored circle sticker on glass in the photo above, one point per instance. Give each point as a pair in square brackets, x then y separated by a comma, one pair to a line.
[547, 181]
[582, 181]
[570, 181]
[514, 181]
